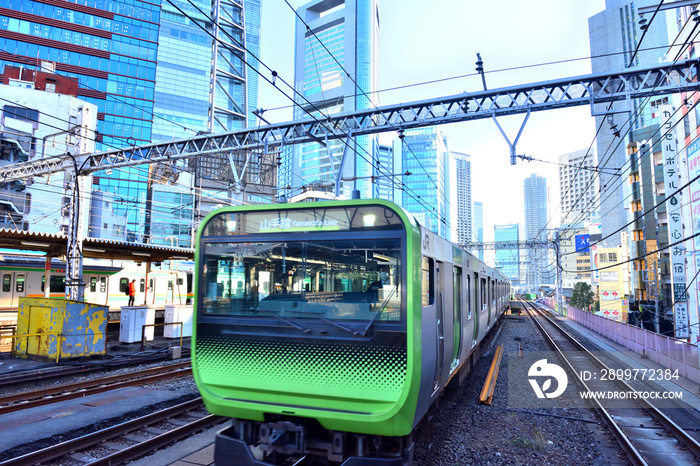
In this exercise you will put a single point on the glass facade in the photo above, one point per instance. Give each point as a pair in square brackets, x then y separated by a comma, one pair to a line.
[507, 260]
[147, 68]
[423, 152]
[343, 42]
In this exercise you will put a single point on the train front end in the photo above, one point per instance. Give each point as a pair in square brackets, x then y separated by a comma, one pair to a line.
[302, 332]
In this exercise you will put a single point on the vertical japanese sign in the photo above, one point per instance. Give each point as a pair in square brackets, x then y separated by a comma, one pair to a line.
[675, 224]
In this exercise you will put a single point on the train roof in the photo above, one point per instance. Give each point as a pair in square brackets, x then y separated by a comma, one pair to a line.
[22, 261]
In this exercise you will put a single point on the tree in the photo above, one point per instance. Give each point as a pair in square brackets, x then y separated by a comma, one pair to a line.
[582, 296]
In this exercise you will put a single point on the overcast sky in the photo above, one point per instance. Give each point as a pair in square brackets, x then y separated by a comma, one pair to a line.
[426, 41]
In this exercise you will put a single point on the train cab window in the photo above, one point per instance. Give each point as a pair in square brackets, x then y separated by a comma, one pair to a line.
[180, 281]
[123, 284]
[427, 283]
[19, 283]
[93, 284]
[103, 284]
[142, 285]
[6, 282]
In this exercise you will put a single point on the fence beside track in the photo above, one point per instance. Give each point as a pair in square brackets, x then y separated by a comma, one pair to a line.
[666, 351]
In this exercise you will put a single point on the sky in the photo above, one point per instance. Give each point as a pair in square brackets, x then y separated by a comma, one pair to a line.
[427, 41]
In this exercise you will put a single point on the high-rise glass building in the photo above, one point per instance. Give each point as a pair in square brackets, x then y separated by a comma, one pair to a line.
[336, 56]
[479, 226]
[508, 260]
[423, 152]
[614, 36]
[539, 269]
[463, 184]
[153, 74]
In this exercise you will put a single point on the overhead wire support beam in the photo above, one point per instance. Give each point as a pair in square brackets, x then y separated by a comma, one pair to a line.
[509, 245]
[568, 92]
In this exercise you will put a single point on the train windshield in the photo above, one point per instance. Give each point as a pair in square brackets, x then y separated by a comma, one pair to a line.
[329, 279]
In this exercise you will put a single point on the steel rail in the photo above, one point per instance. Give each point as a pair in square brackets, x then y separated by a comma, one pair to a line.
[634, 455]
[691, 443]
[43, 397]
[95, 438]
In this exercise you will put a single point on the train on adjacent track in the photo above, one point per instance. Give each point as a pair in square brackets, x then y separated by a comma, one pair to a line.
[105, 282]
[329, 329]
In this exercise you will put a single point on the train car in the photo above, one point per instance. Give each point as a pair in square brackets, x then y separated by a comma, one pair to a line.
[530, 296]
[329, 329]
[23, 276]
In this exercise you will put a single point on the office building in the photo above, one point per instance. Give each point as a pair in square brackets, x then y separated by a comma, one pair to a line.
[335, 58]
[479, 227]
[508, 260]
[539, 269]
[463, 201]
[578, 187]
[148, 70]
[424, 153]
[615, 35]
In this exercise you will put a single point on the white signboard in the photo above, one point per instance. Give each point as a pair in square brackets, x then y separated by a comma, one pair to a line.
[675, 225]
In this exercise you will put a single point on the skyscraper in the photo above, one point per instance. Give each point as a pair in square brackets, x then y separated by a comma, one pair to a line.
[463, 184]
[578, 187]
[508, 260]
[423, 152]
[536, 217]
[153, 74]
[336, 54]
[479, 226]
[614, 36]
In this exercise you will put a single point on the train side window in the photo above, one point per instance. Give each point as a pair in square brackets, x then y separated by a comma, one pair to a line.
[43, 280]
[123, 284]
[457, 290]
[142, 285]
[93, 284]
[57, 283]
[469, 294]
[170, 284]
[427, 283]
[150, 284]
[484, 299]
[181, 281]
[493, 294]
[103, 284]
[19, 283]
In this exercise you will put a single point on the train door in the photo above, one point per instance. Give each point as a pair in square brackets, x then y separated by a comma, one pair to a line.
[14, 286]
[170, 291]
[471, 294]
[91, 289]
[440, 327]
[457, 315]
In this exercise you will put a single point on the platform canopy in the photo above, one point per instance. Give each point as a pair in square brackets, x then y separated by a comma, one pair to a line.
[55, 245]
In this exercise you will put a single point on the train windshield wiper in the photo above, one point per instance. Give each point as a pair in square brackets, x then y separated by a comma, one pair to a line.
[381, 309]
[332, 322]
[280, 318]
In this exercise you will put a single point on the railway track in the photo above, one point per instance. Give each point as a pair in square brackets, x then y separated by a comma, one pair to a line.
[127, 441]
[26, 400]
[646, 434]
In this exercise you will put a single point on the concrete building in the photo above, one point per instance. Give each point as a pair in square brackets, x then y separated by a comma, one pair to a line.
[578, 187]
[615, 35]
[463, 201]
[335, 70]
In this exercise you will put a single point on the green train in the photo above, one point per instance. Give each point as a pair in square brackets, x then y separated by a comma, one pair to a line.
[328, 329]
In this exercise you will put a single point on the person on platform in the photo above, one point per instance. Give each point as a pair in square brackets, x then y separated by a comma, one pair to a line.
[132, 292]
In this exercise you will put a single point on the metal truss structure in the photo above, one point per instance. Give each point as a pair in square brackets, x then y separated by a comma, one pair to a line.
[509, 245]
[569, 92]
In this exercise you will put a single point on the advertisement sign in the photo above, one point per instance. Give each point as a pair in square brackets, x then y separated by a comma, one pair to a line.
[582, 243]
[675, 225]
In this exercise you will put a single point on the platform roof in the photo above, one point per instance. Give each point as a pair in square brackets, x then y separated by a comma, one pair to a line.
[56, 245]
